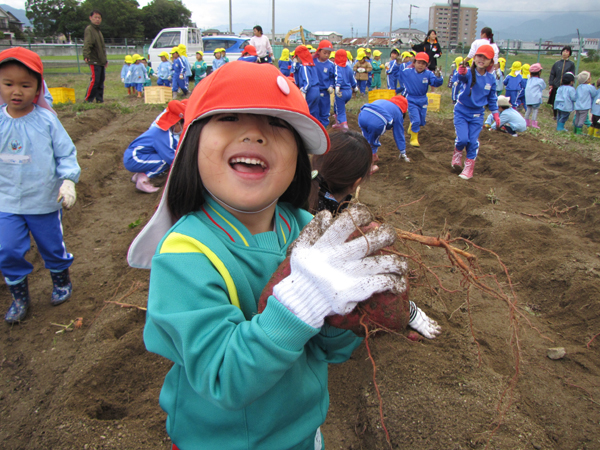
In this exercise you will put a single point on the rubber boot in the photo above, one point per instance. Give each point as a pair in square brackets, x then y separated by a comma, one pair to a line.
[457, 159]
[143, 184]
[528, 123]
[61, 287]
[560, 126]
[590, 131]
[597, 132]
[467, 172]
[21, 300]
[577, 130]
[534, 124]
[414, 139]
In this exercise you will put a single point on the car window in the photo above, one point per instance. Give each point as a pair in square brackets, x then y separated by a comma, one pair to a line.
[246, 42]
[211, 44]
[192, 37]
[168, 39]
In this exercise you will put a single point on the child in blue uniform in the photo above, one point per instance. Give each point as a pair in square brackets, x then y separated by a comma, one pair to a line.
[151, 153]
[229, 212]
[586, 94]
[249, 54]
[533, 95]
[308, 79]
[499, 73]
[179, 76]
[218, 61]
[479, 91]
[164, 71]
[374, 119]
[138, 74]
[521, 102]
[514, 83]
[38, 172]
[416, 80]
[453, 82]
[564, 102]
[344, 84]
[326, 71]
[284, 62]
[390, 69]
[124, 71]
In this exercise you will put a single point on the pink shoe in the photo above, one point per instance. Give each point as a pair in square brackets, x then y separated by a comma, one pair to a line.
[528, 122]
[467, 172]
[344, 125]
[534, 124]
[374, 168]
[134, 178]
[143, 184]
[336, 126]
[457, 159]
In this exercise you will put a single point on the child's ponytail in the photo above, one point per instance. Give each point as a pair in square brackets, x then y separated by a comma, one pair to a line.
[473, 78]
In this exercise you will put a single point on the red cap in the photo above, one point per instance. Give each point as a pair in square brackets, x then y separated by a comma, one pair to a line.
[400, 102]
[250, 49]
[171, 115]
[304, 56]
[422, 56]
[485, 50]
[33, 62]
[341, 57]
[325, 45]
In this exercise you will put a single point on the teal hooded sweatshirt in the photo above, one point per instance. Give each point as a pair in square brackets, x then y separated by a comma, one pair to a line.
[240, 380]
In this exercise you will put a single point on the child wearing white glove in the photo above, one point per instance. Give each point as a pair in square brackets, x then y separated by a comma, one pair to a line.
[38, 172]
[229, 213]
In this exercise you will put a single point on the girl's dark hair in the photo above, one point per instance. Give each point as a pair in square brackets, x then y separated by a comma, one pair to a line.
[488, 33]
[349, 158]
[534, 74]
[429, 33]
[258, 28]
[394, 51]
[33, 73]
[567, 47]
[186, 191]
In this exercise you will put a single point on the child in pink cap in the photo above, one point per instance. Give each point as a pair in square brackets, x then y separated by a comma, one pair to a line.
[533, 95]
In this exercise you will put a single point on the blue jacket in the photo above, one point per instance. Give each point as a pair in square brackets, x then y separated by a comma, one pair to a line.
[586, 94]
[164, 70]
[391, 116]
[456, 85]
[392, 73]
[483, 93]
[326, 71]
[248, 58]
[308, 78]
[36, 155]
[596, 104]
[417, 84]
[499, 79]
[533, 91]
[154, 141]
[218, 63]
[124, 72]
[240, 380]
[138, 73]
[510, 117]
[129, 76]
[513, 83]
[566, 96]
[284, 67]
[178, 68]
[344, 77]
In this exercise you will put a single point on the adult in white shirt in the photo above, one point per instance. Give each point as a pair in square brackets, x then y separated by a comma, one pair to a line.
[262, 45]
[486, 38]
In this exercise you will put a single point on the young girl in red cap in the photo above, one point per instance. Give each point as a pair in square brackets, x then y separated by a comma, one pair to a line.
[229, 212]
[38, 172]
[151, 153]
[478, 91]
[344, 84]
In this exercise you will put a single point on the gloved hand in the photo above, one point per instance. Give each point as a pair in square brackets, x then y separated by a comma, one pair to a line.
[387, 65]
[497, 119]
[598, 101]
[436, 56]
[329, 275]
[462, 70]
[356, 89]
[423, 324]
[169, 78]
[330, 89]
[360, 69]
[181, 76]
[455, 83]
[122, 80]
[67, 194]
[338, 91]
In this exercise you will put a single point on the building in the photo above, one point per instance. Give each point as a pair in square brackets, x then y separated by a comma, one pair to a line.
[588, 43]
[409, 35]
[9, 22]
[331, 36]
[453, 23]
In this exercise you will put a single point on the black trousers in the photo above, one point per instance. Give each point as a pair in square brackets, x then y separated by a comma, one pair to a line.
[95, 90]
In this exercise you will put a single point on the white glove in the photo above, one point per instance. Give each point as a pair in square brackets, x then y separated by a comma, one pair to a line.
[329, 275]
[169, 78]
[360, 69]
[67, 194]
[181, 77]
[598, 102]
[387, 65]
[338, 92]
[356, 89]
[423, 324]
[122, 80]
[436, 56]
[330, 89]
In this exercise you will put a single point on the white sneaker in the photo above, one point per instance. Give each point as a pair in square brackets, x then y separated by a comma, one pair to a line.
[404, 157]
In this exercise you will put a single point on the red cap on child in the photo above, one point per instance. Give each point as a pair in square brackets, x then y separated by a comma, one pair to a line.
[325, 45]
[485, 50]
[341, 57]
[422, 56]
[304, 56]
[250, 49]
[171, 115]
[400, 102]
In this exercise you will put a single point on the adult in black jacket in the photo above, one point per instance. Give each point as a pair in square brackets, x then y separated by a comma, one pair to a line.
[432, 47]
[559, 68]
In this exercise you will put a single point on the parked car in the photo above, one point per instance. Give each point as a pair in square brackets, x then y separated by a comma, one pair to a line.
[168, 38]
[233, 46]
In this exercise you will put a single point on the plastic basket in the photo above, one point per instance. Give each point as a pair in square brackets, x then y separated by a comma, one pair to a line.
[434, 101]
[381, 94]
[157, 94]
[62, 95]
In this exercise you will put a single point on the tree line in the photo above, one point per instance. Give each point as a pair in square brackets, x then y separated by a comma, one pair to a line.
[120, 18]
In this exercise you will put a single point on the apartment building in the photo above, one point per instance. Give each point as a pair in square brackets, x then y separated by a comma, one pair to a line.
[453, 22]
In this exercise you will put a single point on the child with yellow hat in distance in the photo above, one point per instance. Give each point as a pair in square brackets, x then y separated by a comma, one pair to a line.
[362, 69]
[499, 73]
[350, 59]
[369, 56]
[164, 72]
[586, 95]
[124, 71]
[179, 77]
[565, 99]
[514, 83]
[407, 59]
[511, 121]
[38, 172]
[199, 68]
[284, 62]
[138, 74]
[149, 73]
[391, 70]
[533, 95]
[377, 67]
[525, 74]
[344, 84]
[224, 55]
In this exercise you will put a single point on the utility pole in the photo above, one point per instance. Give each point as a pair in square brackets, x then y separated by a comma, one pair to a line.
[391, 12]
[368, 23]
[230, 26]
[410, 17]
[273, 23]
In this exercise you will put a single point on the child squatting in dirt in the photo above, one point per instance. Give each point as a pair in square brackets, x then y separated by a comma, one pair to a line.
[235, 190]
[38, 172]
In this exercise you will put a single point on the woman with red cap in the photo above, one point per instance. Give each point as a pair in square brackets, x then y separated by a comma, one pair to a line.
[152, 153]
[38, 172]
[344, 84]
[308, 79]
[478, 91]
[228, 216]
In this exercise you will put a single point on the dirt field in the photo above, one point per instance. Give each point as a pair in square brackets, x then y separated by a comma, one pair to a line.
[532, 203]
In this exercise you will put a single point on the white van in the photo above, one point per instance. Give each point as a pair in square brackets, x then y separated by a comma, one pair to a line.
[172, 37]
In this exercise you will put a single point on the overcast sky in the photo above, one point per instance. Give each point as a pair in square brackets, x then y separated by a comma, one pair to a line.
[312, 14]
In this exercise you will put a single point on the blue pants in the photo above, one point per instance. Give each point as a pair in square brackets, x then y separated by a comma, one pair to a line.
[324, 107]
[467, 126]
[47, 231]
[362, 85]
[340, 104]
[139, 87]
[149, 163]
[372, 128]
[391, 81]
[417, 113]
[163, 82]
[562, 116]
[312, 98]
[513, 94]
[178, 83]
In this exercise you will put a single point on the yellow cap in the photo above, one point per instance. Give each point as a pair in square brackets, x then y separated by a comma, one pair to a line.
[350, 58]
[376, 53]
[182, 50]
[135, 57]
[458, 61]
[165, 54]
[128, 59]
[201, 52]
[360, 54]
[174, 50]
[332, 55]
